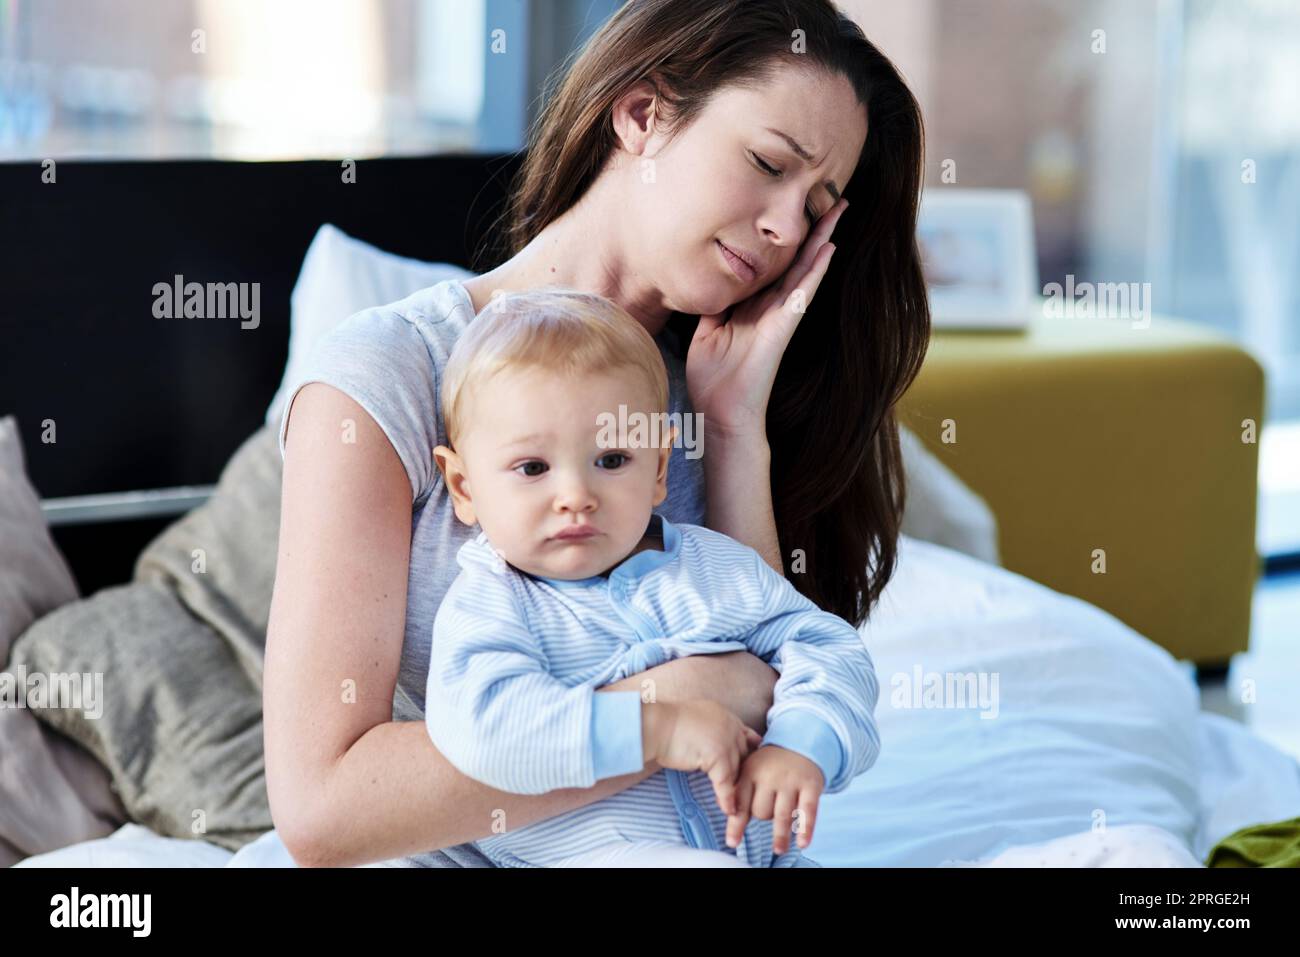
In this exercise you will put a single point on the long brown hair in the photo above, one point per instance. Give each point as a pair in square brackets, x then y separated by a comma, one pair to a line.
[837, 475]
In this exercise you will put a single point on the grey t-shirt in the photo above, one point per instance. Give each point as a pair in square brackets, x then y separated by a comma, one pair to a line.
[389, 359]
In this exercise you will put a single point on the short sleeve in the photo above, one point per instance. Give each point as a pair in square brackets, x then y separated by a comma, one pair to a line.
[379, 358]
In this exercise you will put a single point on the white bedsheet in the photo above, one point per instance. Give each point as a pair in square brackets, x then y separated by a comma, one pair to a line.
[1095, 752]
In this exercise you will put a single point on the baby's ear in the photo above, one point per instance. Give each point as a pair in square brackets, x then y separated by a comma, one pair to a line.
[665, 454]
[453, 476]
[442, 456]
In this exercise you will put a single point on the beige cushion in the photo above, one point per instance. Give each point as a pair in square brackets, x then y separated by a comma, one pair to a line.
[52, 791]
[180, 649]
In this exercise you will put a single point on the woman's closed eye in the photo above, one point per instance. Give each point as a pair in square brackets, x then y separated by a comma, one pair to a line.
[771, 170]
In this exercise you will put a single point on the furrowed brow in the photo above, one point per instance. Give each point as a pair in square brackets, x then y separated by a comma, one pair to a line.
[807, 157]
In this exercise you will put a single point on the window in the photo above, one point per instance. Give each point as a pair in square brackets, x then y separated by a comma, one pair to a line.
[248, 79]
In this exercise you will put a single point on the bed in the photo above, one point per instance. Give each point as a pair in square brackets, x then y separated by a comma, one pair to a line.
[1098, 754]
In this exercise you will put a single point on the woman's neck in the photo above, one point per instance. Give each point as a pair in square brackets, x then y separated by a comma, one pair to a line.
[581, 249]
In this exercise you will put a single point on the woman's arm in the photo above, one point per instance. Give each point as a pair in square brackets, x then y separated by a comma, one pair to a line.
[738, 490]
[731, 366]
[737, 680]
[347, 785]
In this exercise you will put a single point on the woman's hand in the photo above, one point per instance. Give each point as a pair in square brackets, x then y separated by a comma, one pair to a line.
[737, 680]
[732, 360]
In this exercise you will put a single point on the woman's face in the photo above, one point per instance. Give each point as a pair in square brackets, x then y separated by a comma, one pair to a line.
[732, 179]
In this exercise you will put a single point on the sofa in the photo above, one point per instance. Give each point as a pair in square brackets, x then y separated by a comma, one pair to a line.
[1105, 439]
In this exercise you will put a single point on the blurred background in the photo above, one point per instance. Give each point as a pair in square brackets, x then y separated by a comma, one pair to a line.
[1159, 140]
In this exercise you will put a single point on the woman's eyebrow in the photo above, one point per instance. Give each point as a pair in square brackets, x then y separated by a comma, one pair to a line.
[807, 157]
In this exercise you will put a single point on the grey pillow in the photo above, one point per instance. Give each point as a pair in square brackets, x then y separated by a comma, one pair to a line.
[33, 575]
[52, 791]
[180, 651]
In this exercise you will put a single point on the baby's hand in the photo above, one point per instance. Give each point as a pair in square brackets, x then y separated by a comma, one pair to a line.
[777, 784]
[701, 735]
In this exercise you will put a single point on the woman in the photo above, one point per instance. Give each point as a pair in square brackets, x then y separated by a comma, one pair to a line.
[690, 166]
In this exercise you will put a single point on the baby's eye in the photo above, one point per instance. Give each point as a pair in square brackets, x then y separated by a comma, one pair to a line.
[540, 468]
[619, 456]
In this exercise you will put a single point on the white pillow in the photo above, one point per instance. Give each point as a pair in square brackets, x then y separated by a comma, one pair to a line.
[53, 792]
[943, 509]
[342, 275]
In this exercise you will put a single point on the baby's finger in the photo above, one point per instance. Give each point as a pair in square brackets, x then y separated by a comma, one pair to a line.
[781, 821]
[752, 738]
[723, 771]
[739, 819]
[726, 793]
[736, 824]
[762, 802]
[743, 742]
[807, 819]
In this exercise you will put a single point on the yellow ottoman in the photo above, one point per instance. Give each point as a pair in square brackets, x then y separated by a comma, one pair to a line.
[1116, 461]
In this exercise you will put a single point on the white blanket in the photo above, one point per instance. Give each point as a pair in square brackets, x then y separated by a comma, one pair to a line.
[1086, 748]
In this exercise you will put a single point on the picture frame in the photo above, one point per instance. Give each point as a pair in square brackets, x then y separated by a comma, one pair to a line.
[978, 255]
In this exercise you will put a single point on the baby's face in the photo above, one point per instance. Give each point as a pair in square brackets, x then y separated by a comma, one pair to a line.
[531, 467]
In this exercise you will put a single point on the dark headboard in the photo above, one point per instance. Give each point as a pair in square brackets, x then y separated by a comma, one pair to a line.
[141, 402]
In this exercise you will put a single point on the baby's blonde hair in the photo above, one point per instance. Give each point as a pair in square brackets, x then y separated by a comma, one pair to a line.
[559, 330]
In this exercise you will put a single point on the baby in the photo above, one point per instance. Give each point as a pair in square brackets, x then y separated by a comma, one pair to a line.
[574, 583]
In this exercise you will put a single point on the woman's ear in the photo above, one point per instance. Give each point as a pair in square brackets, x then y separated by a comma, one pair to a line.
[453, 476]
[634, 117]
